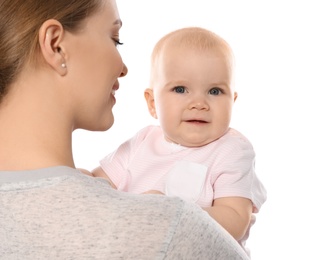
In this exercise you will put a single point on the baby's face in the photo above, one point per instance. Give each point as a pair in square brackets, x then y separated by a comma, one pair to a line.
[193, 95]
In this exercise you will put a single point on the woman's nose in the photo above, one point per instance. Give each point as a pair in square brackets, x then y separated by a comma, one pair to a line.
[124, 71]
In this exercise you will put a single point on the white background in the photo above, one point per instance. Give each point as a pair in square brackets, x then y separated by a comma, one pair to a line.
[278, 47]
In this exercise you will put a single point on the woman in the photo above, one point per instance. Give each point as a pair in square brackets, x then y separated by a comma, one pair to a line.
[59, 69]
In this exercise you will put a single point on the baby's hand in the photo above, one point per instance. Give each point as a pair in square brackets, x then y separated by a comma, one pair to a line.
[85, 172]
[153, 192]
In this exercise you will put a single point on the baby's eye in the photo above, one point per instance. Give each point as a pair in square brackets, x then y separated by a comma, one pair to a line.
[215, 91]
[179, 89]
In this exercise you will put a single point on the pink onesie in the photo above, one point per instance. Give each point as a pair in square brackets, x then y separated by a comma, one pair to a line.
[223, 168]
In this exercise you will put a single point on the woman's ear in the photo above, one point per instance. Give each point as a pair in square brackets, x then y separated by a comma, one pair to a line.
[149, 96]
[50, 40]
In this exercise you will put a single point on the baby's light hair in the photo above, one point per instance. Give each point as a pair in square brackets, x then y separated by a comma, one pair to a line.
[195, 38]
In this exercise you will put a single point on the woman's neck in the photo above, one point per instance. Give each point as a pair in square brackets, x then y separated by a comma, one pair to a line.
[34, 134]
[24, 147]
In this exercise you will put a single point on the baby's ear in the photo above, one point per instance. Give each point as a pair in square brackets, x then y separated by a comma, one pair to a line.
[149, 96]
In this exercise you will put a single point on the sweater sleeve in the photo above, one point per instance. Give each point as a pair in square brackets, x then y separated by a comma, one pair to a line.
[197, 236]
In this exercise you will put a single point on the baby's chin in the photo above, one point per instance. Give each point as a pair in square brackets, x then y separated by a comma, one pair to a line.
[198, 144]
[194, 143]
[199, 139]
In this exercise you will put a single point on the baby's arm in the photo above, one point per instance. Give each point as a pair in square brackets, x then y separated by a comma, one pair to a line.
[233, 213]
[98, 172]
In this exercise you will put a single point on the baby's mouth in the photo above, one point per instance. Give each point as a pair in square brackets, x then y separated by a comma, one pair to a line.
[196, 121]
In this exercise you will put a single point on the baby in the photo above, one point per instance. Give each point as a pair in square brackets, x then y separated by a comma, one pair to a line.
[193, 153]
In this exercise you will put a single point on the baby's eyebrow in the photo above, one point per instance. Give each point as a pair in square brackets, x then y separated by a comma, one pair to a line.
[221, 84]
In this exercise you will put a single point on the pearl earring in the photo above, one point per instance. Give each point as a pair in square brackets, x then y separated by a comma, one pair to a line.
[63, 65]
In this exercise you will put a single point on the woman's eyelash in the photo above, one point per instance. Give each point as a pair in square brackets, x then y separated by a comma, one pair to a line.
[117, 42]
